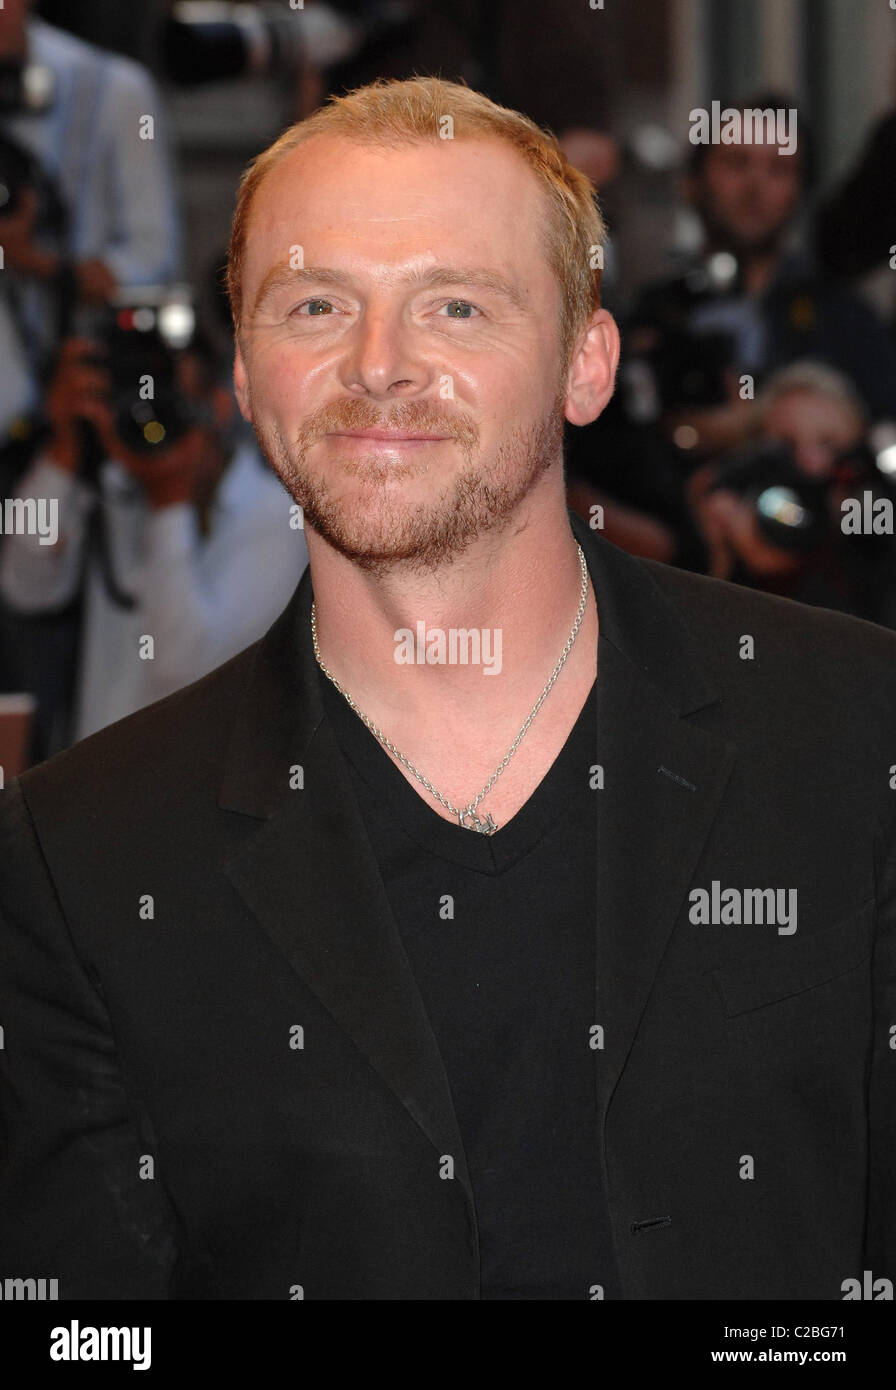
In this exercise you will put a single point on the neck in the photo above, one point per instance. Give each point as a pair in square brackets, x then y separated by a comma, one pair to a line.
[520, 587]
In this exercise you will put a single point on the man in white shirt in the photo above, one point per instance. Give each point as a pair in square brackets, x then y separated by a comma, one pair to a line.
[202, 538]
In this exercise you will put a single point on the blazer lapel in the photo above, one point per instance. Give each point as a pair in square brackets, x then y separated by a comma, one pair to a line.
[309, 876]
[663, 780]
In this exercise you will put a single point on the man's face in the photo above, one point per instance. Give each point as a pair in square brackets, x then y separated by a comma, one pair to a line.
[815, 426]
[747, 195]
[426, 305]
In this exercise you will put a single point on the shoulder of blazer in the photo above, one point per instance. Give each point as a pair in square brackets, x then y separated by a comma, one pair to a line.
[166, 750]
[714, 609]
[817, 683]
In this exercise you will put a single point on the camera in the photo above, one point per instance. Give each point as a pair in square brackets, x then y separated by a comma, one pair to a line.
[679, 363]
[140, 336]
[793, 509]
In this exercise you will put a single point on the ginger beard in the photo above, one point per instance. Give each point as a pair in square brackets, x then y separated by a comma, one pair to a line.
[355, 502]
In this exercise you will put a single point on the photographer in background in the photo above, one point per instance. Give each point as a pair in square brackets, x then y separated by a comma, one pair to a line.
[189, 541]
[771, 512]
[86, 205]
[748, 304]
[86, 193]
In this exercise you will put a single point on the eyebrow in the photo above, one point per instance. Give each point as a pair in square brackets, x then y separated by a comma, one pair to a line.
[439, 275]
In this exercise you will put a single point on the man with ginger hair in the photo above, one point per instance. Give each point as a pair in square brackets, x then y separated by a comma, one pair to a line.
[403, 956]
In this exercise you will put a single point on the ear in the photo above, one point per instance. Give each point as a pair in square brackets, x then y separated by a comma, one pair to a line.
[241, 383]
[592, 372]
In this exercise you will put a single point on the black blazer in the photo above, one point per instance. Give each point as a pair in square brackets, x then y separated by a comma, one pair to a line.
[219, 1080]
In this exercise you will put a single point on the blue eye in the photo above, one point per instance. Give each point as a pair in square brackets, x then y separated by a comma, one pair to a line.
[306, 302]
[464, 303]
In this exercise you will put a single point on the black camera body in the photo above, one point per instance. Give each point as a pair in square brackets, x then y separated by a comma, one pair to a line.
[680, 368]
[139, 339]
[793, 509]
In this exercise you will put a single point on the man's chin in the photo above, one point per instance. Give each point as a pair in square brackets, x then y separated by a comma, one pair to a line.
[380, 518]
[380, 538]
[374, 513]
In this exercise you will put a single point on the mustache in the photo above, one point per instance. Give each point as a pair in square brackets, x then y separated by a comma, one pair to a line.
[404, 415]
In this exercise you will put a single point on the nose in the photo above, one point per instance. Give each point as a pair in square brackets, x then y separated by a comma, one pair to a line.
[383, 358]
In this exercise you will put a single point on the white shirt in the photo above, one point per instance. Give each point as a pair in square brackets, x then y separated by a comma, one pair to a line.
[200, 599]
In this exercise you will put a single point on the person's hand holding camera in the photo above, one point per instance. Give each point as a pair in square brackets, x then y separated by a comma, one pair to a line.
[79, 391]
[168, 475]
[732, 533]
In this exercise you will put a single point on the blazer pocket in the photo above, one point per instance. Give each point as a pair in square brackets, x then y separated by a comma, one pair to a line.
[797, 965]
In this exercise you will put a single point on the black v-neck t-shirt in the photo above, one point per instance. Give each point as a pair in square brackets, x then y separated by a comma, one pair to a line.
[500, 934]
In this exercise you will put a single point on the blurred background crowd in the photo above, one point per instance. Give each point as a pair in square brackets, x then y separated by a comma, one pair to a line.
[752, 435]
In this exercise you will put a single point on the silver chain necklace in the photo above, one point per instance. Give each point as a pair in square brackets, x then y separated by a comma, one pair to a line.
[488, 826]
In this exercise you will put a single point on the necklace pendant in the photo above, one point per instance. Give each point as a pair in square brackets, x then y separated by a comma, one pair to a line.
[486, 827]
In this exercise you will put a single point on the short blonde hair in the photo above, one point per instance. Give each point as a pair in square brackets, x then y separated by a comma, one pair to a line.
[393, 113]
